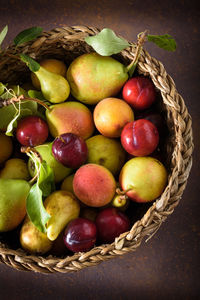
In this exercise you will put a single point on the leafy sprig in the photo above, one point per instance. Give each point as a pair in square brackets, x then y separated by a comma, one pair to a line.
[43, 187]
[3, 34]
[107, 43]
[27, 35]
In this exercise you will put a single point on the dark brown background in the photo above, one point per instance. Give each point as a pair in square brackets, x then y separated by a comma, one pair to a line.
[168, 265]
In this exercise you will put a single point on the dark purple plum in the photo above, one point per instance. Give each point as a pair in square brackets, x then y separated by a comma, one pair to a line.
[110, 224]
[70, 150]
[80, 235]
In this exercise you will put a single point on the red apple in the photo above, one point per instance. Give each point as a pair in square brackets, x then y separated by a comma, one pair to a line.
[139, 92]
[140, 138]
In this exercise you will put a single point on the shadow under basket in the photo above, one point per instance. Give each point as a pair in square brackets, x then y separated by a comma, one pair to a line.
[67, 43]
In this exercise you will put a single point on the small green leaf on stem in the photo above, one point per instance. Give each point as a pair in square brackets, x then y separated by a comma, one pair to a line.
[36, 94]
[42, 188]
[13, 123]
[166, 41]
[2, 88]
[106, 42]
[35, 208]
[31, 63]
[27, 35]
[46, 179]
[3, 34]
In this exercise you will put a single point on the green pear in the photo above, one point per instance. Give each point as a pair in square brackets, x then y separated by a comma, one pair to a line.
[107, 152]
[93, 77]
[15, 168]
[63, 207]
[32, 239]
[45, 150]
[143, 178]
[13, 194]
[67, 184]
[55, 88]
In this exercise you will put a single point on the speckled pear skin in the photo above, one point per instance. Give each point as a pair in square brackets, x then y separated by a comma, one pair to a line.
[93, 77]
[144, 178]
[70, 116]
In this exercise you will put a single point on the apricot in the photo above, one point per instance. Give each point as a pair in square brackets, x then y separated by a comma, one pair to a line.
[111, 115]
[94, 185]
[52, 65]
[70, 117]
[6, 147]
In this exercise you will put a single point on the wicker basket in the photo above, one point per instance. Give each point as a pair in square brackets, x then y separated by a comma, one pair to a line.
[66, 43]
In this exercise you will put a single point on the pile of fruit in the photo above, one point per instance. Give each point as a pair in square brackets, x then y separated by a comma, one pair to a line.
[78, 146]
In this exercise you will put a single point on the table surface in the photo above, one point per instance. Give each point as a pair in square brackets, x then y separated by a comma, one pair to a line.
[168, 264]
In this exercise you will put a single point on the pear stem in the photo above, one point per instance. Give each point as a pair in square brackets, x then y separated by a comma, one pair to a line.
[7, 102]
[140, 42]
[38, 101]
[120, 192]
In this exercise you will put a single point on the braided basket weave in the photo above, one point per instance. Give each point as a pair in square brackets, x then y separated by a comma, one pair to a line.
[66, 43]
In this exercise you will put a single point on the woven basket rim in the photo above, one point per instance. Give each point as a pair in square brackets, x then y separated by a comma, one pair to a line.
[181, 162]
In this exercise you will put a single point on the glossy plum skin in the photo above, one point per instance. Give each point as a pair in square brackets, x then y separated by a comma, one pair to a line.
[139, 92]
[140, 138]
[155, 118]
[32, 131]
[80, 235]
[70, 150]
[110, 224]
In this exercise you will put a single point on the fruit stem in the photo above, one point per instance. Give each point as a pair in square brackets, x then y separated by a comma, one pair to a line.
[140, 42]
[31, 150]
[120, 192]
[38, 101]
[7, 102]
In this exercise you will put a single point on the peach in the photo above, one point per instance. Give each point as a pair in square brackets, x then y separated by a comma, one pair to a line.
[94, 185]
[73, 117]
[111, 115]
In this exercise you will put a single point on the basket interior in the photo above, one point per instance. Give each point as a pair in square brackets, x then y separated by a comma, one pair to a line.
[15, 72]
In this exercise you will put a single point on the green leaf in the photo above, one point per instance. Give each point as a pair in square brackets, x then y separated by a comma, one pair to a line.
[27, 35]
[8, 113]
[36, 94]
[3, 34]
[165, 41]
[13, 123]
[2, 88]
[106, 42]
[31, 63]
[46, 179]
[35, 208]
[42, 188]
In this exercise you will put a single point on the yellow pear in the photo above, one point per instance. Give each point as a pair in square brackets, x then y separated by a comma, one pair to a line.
[33, 240]
[15, 168]
[63, 207]
[55, 88]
